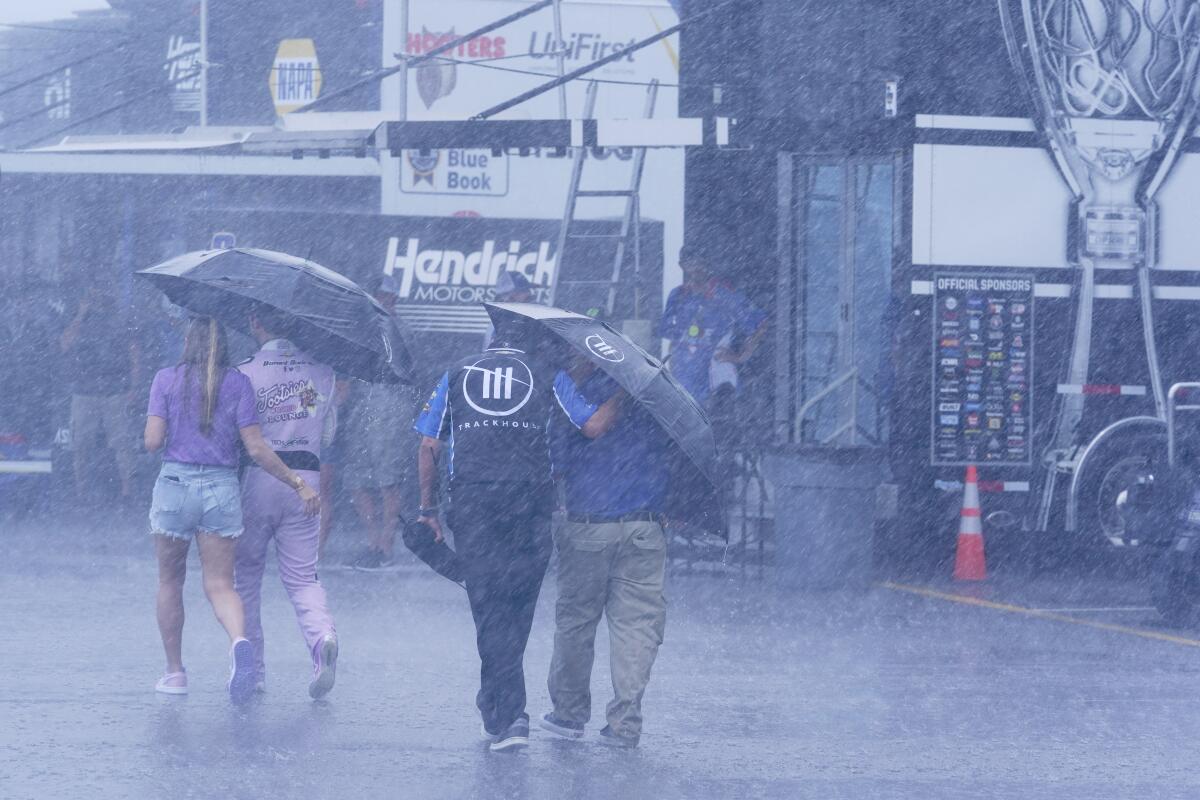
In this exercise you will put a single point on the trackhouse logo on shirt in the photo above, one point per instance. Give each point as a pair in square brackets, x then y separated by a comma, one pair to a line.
[497, 387]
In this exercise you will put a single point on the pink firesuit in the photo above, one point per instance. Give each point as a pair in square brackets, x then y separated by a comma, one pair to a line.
[294, 397]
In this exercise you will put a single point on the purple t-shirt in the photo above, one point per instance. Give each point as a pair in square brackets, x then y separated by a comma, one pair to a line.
[179, 405]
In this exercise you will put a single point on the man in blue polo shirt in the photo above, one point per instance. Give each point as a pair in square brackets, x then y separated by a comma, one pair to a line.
[612, 458]
[703, 319]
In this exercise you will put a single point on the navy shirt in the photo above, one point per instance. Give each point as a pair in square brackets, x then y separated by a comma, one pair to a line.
[623, 471]
[493, 409]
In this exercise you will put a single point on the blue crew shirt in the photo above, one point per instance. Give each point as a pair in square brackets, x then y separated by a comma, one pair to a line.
[625, 470]
[695, 321]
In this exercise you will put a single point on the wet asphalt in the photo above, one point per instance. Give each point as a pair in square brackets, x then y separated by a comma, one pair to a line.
[889, 693]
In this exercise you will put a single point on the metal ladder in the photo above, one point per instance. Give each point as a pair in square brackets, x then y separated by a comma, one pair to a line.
[629, 234]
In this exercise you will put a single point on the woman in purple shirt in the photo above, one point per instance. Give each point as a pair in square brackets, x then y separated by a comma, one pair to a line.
[199, 410]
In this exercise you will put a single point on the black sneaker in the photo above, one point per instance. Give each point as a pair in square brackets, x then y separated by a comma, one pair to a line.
[561, 727]
[514, 737]
[613, 739]
[373, 561]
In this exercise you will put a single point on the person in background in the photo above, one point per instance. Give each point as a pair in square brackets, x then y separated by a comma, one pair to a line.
[613, 460]
[702, 320]
[512, 287]
[104, 362]
[374, 468]
[295, 402]
[198, 412]
[491, 411]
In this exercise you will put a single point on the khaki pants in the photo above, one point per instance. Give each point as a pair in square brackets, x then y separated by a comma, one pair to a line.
[93, 414]
[615, 569]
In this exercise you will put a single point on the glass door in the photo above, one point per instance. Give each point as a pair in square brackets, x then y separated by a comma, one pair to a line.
[835, 278]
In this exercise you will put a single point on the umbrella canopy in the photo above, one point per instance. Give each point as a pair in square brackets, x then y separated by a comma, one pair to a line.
[331, 317]
[695, 482]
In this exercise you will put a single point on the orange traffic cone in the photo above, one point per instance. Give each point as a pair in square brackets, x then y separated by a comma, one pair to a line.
[969, 561]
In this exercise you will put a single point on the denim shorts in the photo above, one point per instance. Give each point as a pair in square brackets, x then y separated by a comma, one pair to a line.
[193, 498]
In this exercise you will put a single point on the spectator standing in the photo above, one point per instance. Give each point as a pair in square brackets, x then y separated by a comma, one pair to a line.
[702, 320]
[104, 362]
[198, 412]
[374, 454]
[611, 553]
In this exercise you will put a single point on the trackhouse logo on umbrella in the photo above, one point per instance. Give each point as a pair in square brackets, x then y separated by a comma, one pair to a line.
[601, 348]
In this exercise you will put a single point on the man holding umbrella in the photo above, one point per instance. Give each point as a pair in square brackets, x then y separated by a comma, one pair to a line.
[613, 459]
[491, 411]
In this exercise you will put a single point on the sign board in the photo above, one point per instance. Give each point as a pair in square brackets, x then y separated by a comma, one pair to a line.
[495, 66]
[295, 78]
[183, 73]
[456, 172]
[982, 403]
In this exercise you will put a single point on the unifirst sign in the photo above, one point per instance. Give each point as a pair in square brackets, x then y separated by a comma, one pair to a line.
[295, 79]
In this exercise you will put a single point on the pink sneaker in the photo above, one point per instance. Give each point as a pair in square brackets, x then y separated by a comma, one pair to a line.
[172, 683]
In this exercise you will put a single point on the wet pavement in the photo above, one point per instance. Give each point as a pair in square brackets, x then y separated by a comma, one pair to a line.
[903, 692]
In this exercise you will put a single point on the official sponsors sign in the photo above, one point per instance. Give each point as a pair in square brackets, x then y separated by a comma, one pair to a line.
[295, 79]
[982, 403]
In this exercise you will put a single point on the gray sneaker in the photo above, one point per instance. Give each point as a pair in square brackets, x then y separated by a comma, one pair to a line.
[514, 737]
[326, 667]
[613, 739]
[561, 727]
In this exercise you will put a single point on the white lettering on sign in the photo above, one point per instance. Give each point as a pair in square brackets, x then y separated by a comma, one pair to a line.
[419, 268]
[183, 73]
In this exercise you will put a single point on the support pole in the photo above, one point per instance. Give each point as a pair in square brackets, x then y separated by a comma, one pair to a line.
[561, 58]
[203, 63]
[403, 74]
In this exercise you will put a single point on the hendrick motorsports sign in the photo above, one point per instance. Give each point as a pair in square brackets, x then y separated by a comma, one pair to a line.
[433, 273]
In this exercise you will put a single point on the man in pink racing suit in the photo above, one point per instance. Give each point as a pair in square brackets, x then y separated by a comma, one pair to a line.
[294, 398]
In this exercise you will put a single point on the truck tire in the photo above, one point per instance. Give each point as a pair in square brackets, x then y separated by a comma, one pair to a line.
[1175, 589]
[1115, 466]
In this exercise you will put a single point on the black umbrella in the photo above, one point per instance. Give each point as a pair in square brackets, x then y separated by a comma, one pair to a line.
[695, 495]
[330, 316]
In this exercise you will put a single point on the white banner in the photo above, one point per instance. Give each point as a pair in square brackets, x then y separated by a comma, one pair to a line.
[500, 65]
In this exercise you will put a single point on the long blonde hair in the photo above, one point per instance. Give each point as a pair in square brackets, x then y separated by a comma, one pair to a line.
[205, 357]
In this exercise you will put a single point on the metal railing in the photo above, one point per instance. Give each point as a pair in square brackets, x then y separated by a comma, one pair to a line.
[1172, 396]
[851, 426]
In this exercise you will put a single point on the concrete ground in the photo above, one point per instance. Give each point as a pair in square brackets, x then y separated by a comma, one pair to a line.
[1018, 689]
